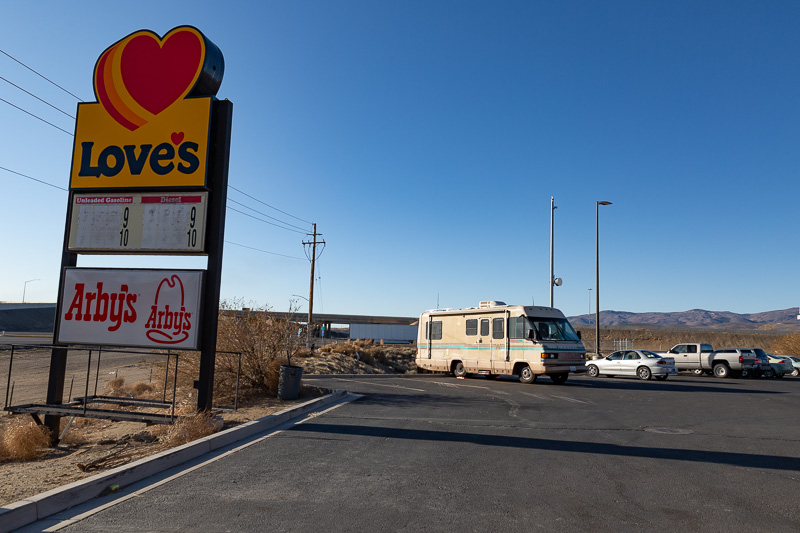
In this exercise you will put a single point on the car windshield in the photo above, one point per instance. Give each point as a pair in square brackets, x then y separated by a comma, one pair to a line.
[650, 355]
[553, 329]
[761, 353]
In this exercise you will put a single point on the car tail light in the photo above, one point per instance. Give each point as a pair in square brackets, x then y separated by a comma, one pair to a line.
[661, 362]
[741, 358]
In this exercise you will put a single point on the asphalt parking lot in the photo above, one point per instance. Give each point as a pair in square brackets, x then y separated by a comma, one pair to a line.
[433, 453]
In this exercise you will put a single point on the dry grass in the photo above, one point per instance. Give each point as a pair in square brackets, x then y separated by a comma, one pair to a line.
[188, 429]
[662, 340]
[398, 359]
[23, 442]
[787, 345]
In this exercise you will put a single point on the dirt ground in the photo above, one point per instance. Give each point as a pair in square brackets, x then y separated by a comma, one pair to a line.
[91, 446]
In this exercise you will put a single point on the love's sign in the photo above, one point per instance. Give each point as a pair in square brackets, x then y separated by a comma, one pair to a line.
[150, 125]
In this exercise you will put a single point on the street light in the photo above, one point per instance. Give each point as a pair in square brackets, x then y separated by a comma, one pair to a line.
[554, 282]
[25, 287]
[597, 278]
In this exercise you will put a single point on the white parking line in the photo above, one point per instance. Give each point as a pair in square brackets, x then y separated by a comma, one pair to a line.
[569, 399]
[380, 384]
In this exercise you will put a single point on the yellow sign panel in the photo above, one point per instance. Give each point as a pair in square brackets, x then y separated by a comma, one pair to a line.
[169, 152]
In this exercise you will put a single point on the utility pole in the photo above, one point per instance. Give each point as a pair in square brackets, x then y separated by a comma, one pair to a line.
[313, 258]
[553, 208]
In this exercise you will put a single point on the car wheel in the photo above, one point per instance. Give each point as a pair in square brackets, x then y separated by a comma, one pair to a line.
[643, 372]
[697, 371]
[769, 373]
[662, 378]
[796, 372]
[459, 370]
[779, 375]
[592, 371]
[559, 379]
[721, 371]
[526, 375]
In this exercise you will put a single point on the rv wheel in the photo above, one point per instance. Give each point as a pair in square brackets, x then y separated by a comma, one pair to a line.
[559, 379]
[526, 375]
[459, 370]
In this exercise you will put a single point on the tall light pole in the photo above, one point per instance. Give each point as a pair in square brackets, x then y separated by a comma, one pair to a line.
[25, 287]
[552, 277]
[597, 277]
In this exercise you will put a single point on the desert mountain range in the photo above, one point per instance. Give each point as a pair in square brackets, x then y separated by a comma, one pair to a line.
[783, 320]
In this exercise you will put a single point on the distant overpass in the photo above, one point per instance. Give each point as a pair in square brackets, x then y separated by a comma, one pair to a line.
[329, 318]
[378, 328]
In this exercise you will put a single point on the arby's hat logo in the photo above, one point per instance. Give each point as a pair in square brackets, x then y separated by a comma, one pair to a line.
[169, 322]
[141, 75]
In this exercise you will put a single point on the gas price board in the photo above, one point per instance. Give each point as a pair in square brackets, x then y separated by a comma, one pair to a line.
[138, 222]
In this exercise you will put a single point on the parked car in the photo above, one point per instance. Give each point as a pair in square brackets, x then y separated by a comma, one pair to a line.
[640, 363]
[795, 365]
[762, 368]
[782, 365]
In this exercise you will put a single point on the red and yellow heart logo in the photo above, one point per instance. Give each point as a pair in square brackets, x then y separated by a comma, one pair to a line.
[141, 75]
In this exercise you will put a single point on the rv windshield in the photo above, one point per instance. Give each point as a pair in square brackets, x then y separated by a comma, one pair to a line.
[553, 329]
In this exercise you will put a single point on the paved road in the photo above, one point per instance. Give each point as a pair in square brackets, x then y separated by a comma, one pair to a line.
[440, 454]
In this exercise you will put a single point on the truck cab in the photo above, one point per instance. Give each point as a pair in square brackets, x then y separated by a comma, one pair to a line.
[692, 356]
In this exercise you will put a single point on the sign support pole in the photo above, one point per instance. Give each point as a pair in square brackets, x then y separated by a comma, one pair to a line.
[219, 156]
[58, 355]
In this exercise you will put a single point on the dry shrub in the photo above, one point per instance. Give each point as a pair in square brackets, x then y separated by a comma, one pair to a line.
[787, 345]
[23, 442]
[190, 428]
[264, 340]
[115, 385]
[365, 357]
[140, 388]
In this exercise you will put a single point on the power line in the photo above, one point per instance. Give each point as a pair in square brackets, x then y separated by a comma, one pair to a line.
[266, 215]
[40, 118]
[40, 99]
[266, 204]
[34, 179]
[264, 221]
[40, 75]
[264, 251]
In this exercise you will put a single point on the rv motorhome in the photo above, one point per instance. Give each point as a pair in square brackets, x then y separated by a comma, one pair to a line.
[499, 339]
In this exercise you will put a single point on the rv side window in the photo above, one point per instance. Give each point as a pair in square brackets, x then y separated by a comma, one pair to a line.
[497, 328]
[484, 327]
[435, 330]
[516, 327]
[472, 326]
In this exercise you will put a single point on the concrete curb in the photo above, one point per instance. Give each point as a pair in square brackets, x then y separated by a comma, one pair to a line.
[29, 510]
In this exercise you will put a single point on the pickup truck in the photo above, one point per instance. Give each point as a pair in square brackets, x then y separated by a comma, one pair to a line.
[700, 358]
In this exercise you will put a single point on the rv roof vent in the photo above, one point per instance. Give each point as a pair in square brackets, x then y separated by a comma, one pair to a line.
[491, 303]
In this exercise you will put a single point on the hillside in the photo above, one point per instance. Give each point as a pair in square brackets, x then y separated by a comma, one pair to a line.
[782, 320]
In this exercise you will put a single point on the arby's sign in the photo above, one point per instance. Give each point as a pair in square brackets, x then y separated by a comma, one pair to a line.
[130, 307]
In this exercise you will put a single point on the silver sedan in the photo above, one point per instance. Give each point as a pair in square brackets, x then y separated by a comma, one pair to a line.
[640, 363]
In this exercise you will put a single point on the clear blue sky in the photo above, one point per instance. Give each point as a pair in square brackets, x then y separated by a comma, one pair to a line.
[425, 138]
